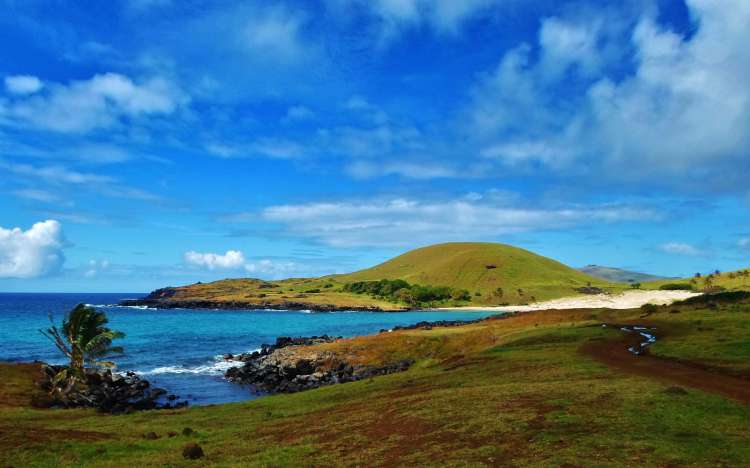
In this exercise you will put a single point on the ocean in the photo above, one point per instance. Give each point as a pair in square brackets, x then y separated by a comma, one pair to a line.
[180, 349]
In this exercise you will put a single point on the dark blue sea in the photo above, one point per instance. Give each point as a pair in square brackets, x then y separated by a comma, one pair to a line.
[180, 349]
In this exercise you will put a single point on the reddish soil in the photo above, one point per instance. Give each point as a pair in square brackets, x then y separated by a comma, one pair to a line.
[615, 354]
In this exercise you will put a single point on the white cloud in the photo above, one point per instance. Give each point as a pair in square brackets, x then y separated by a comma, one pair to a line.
[402, 221]
[232, 259]
[392, 17]
[23, 84]
[271, 268]
[32, 253]
[56, 174]
[60, 177]
[95, 267]
[275, 34]
[100, 102]
[682, 116]
[274, 148]
[679, 248]
[411, 170]
[235, 260]
[297, 113]
[744, 243]
[37, 195]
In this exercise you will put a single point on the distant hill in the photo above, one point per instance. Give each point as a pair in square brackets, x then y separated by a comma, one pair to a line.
[480, 273]
[618, 275]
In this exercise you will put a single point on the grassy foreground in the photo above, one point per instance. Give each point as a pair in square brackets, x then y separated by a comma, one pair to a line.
[520, 391]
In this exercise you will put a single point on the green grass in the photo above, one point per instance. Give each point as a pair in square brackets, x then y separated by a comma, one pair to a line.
[516, 391]
[715, 337]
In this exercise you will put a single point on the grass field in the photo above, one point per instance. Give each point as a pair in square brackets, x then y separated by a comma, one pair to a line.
[493, 274]
[527, 390]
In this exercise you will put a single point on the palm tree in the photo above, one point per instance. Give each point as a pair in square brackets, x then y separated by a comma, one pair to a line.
[84, 337]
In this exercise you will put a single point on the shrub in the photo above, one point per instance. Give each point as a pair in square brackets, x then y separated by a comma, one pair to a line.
[460, 295]
[401, 291]
[676, 287]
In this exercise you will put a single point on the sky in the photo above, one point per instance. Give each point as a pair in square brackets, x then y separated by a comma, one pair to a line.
[147, 143]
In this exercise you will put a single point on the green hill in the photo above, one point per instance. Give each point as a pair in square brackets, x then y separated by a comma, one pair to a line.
[470, 274]
[484, 268]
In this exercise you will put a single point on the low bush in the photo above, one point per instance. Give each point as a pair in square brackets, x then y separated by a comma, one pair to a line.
[676, 287]
[412, 294]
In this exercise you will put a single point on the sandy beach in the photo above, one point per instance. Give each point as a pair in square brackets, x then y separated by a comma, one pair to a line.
[625, 300]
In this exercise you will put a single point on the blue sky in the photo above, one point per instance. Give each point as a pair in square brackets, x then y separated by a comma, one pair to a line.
[147, 143]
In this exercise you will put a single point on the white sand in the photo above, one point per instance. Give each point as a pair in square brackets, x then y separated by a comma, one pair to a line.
[627, 300]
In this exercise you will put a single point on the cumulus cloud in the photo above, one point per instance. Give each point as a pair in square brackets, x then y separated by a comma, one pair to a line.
[23, 84]
[99, 102]
[235, 260]
[401, 221]
[679, 248]
[681, 116]
[35, 252]
[744, 243]
[232, 259]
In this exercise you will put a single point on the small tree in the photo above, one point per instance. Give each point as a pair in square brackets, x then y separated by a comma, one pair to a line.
[635, 286]
[84, 337]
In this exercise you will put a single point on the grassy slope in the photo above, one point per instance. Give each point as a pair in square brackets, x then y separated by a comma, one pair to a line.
[728, 280]
[458, 265]
[515, 391]
[290, 290]
[463, 265]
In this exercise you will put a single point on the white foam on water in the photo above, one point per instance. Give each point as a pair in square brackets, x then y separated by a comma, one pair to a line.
[218, 367]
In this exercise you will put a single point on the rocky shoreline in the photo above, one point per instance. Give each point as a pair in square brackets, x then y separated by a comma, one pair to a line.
[102, 389]
[284, 368]
[239, 305]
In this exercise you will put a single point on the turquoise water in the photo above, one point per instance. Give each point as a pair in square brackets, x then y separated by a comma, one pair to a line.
[180, 349]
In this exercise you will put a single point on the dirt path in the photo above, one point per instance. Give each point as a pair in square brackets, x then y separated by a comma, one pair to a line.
[614, 353]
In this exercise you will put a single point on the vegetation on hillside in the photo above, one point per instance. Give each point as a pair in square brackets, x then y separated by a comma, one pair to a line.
[715, 281]
[414, 295]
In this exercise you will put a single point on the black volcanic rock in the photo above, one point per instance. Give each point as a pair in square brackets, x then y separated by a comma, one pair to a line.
[101, 389]
[274, 370]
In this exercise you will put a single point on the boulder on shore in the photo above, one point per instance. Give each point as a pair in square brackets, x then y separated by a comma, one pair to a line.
[280, 368]
[100, 388]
